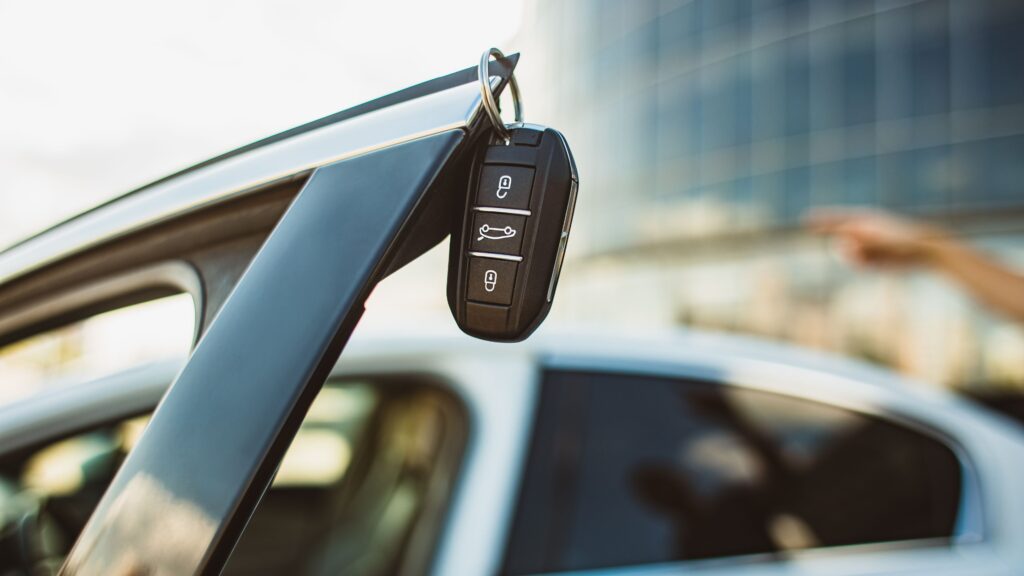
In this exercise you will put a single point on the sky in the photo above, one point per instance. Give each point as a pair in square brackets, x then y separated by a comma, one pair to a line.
[100, 97]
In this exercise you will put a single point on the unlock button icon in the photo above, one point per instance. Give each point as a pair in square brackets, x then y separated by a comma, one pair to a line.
[505, 186]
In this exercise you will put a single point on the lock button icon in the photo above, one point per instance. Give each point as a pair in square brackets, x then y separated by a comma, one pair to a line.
[491, 281]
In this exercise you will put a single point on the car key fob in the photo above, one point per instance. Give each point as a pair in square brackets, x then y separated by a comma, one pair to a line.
[508, 247]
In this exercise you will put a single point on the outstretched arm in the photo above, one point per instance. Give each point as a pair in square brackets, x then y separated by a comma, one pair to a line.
[877, 239]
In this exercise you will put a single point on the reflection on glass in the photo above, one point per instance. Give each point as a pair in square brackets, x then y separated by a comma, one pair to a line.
[699, 470]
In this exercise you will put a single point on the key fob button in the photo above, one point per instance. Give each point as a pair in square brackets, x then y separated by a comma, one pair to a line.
[487, 318]
[505, 186]
[497, 233]
[491, 280]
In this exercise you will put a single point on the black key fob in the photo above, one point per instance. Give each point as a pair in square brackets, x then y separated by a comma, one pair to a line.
[507, 250]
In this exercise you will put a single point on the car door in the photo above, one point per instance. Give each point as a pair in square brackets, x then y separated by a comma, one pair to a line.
[282, 242]
[677, 471]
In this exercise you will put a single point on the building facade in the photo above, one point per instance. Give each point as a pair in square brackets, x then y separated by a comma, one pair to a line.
[705, 129]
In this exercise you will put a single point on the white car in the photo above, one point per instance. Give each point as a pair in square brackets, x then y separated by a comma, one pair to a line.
[577, 453]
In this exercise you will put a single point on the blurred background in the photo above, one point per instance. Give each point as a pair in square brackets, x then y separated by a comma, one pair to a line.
[703, 130]
[706, 129]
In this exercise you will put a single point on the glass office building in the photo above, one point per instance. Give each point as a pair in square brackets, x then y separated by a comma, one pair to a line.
[704, 129]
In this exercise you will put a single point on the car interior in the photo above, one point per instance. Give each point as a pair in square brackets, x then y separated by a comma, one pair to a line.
[361, 490]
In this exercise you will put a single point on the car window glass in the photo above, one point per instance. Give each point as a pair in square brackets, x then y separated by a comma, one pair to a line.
[360, 490]
[396, 446]
[99, 345]
[629, 470]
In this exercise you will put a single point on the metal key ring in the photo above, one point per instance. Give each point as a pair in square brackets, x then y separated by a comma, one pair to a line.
[489, 102]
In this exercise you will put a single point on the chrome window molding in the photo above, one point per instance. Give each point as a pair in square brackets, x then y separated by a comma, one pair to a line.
[235, 174]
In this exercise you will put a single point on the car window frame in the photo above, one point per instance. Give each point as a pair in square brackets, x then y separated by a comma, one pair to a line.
[809, 384]
[969, 528]
[431, 131]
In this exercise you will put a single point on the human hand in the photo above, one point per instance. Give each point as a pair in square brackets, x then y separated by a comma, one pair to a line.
[874, 238]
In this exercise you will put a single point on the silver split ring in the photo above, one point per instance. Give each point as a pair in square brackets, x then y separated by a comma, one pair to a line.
[490, 104]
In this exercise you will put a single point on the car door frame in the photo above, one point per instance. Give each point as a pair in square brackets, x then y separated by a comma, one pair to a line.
[375, 186]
